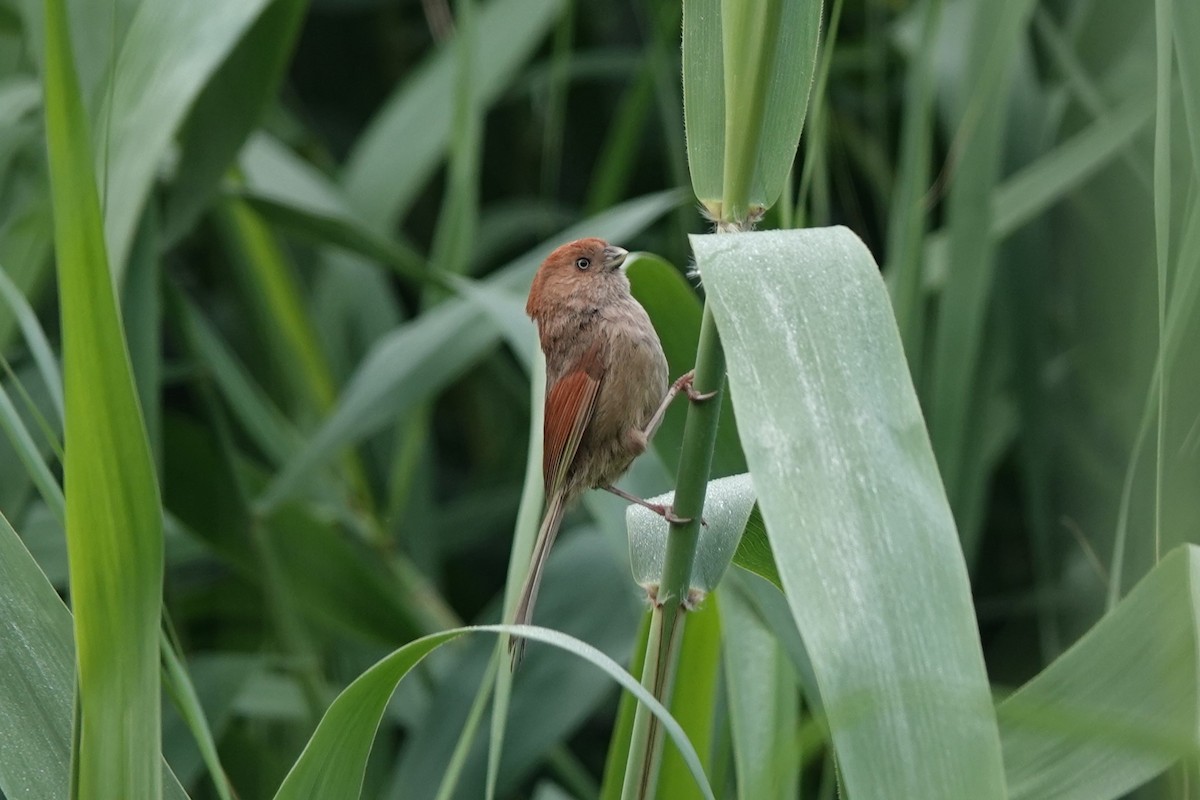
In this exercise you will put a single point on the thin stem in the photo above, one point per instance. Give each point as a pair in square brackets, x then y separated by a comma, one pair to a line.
[666, 627]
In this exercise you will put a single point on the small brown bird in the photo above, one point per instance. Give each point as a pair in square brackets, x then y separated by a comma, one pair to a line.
[606, 387]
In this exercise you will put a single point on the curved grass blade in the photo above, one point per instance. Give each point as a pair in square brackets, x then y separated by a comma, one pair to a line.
[334, 760]
[861, 531]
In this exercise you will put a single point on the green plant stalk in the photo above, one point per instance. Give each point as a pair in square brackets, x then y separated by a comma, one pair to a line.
[749, 36]
[673, 600]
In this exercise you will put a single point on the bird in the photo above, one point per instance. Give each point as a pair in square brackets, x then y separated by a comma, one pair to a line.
[606, 389]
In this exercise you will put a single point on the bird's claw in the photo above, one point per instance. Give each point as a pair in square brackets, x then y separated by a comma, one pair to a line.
[684, 384]
[668, 513]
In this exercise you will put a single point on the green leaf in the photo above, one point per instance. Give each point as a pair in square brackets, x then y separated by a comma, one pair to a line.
[36, 677]
[747, 70]
[858, 521]
[764, 704]
[727, 507]
[693, 698]
[37, 681]
[35, 340]
[230, 106]
[995, 35]
[1119, 707]
[754, 550]
[1021, 197]
[334, 760]
[293, 194]
[114, 517]
[166, 58]
[382, 186]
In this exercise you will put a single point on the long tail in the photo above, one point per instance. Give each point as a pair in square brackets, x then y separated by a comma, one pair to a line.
[555, 507]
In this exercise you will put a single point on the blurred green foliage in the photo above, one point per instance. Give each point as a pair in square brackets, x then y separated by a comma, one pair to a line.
[293, 194]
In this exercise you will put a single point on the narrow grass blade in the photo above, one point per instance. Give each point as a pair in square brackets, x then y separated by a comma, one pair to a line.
[1187, 53]
[1021, 197]
[908, 214]
[31, 456]
[35, 340]
[862, 534]
[995, 35]
[114, 517]
[1119, 707]
[333, 762]
[381, 186]
[764, 704]
[179, 684]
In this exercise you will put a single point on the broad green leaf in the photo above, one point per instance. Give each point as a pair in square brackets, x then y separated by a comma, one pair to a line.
[333, 762]
[1119, 707]
[36, 677]
[727, 507]
[747, 70]
[423, 356]
[114, 517]
[166, 57]
[856, 515]
[37, 681]
[383, 186]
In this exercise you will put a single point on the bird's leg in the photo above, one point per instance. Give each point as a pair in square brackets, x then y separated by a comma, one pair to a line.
[682, 384]
[666, 512]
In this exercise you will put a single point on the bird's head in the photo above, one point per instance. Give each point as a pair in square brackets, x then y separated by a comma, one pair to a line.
[583, 269]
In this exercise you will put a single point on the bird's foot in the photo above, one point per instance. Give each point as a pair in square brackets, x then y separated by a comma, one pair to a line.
[684, 384]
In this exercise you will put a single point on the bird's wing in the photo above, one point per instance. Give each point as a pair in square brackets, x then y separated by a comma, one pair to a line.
[570, 404]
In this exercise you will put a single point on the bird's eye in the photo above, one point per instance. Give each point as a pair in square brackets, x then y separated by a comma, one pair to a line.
[583, 263]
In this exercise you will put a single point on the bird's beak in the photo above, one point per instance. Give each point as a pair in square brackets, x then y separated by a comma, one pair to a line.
[614, 257]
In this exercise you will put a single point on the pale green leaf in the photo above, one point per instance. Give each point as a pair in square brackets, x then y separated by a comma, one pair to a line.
[858, 521]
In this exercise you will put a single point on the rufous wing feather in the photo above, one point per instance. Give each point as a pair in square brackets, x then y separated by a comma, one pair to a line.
[570, 404]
